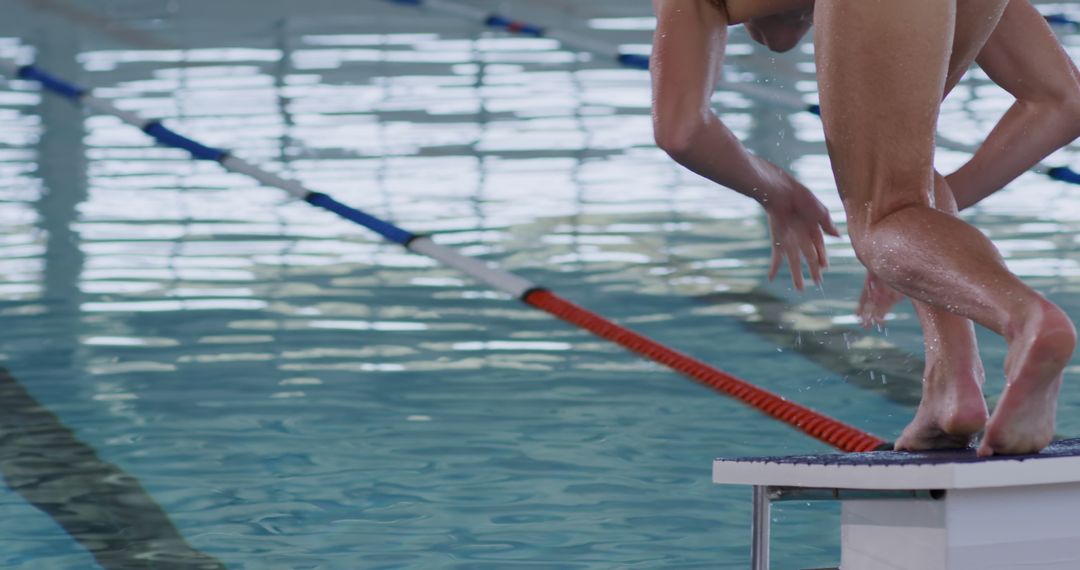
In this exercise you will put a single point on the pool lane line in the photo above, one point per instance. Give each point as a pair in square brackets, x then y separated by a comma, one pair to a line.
[815, 424]
[99, 505]
[637, 61]
[1062, 20]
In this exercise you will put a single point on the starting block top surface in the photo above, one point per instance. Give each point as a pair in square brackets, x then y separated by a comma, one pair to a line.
[900, 470]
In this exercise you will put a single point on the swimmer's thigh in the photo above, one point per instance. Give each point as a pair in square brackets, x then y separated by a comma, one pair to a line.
[882, 67]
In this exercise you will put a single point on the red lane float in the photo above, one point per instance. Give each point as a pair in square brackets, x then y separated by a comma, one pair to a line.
[815, 424]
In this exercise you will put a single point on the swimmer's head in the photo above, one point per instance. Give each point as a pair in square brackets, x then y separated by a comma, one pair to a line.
[781, 32]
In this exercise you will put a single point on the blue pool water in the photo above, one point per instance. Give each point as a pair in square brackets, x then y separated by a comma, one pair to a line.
[203, 373]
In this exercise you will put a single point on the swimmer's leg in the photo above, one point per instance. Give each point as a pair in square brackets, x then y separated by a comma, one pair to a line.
[953, 408]
[883, 67]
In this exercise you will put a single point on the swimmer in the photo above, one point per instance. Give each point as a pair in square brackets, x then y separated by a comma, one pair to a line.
[688, 54]
[1023, 57]
[881, 187]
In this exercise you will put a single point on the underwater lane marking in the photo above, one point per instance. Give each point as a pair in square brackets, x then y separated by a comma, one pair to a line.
[122, 527]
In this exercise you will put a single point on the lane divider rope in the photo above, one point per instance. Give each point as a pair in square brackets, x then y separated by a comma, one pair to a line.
[815, 424]
[637, 61]
[809, 421]
[1062, 20]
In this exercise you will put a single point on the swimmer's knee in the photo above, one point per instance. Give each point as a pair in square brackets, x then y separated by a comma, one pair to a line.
[883, 245]
[1070, 108]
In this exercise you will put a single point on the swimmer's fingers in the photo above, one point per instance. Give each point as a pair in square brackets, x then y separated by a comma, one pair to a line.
[822, 254]
[813, 261]
[875, 302]
[795, 264]
[774, 265]
[825, 220]
[819, 249]
[865, 310]
[797, 222]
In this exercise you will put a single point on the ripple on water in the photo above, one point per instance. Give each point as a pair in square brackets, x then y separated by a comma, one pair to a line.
[295, 394]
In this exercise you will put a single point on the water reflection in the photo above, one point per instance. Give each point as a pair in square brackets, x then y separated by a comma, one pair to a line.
[863, 360]
[308, 365]
[103, 508]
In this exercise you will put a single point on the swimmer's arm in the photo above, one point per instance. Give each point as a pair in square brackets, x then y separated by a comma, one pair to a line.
[1024, 58]
[688, 54]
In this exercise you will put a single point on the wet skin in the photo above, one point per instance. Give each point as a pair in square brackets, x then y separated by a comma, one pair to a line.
[882, 148]
[1023, 56]
[953, 409]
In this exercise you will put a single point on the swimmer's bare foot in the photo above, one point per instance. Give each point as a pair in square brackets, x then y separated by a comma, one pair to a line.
[1039, 350]
[876, 300]
[952, 409]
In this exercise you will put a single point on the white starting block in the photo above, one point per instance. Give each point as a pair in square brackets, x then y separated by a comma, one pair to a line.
[940, 510]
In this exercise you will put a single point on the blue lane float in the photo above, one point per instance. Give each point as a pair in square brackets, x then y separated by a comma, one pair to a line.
[1064, 174]
[636, 61]
[1062, 20]
[494, 277]
[167, 137]
[385, 229]
[50, 82]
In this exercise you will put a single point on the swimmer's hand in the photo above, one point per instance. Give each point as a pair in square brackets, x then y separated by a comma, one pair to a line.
[875, 302]
[797, 222]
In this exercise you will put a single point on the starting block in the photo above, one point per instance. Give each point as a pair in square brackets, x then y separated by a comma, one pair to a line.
[938, 510]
